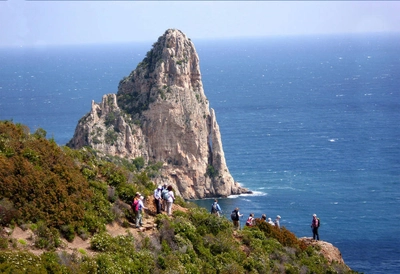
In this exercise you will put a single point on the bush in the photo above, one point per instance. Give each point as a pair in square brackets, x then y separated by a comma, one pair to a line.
[101, 242]
[211, 172]
[47, 238]
[68, 232]
[110, 137]
[284, 236]
[7, 212]
[50, 262]
[3, 242]
[39, 180]
[138, 162]
[20, 262]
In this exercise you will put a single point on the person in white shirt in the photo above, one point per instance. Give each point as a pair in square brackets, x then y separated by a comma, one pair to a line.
[170, 200]
[277, 224]
[139, 215]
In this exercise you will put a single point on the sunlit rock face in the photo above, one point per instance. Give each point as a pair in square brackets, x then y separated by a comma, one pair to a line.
[161, 113]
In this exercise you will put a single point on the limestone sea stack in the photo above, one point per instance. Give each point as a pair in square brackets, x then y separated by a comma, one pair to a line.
[161, 113]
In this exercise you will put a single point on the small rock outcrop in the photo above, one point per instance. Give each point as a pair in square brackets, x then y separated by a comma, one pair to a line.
[329, 251]
[161, 113]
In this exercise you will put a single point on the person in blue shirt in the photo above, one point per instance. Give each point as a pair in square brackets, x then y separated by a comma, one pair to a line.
[215, 208]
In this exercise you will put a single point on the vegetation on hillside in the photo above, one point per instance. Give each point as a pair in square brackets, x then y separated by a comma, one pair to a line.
[59, 192]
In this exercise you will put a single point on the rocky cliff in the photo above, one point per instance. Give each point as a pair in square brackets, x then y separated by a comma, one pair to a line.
[161, 113]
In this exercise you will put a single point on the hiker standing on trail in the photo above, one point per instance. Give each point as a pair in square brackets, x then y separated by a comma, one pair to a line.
[315, 226]
[264, 217]
[235, 215]
[139, 214]
[135, 203]
[158, 199]
[277, 224]
[215, 208]
[164, 201]
[271, 222]
[250, 220]
[170, 197]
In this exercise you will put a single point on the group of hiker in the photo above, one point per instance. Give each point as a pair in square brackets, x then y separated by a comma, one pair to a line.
[236, 215]
[163, 198]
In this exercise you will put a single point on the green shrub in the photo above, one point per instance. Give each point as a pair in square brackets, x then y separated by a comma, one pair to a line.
[3, 242]
[82, 251]
[88, 173]
[209, 223]
[126, 192]
[211, 172]
[110, 137]
[8, 212]
[50, 261]
[101, 242]
[138, 162]
[33, 227]
[68, 231]
[110, 119]
[93, 223]
[20, 262]
[47, 238]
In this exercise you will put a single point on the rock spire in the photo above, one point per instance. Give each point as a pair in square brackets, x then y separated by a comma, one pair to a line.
[161, 113]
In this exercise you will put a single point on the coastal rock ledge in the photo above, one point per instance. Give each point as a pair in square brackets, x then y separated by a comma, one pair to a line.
[329, 251]
[161, 113]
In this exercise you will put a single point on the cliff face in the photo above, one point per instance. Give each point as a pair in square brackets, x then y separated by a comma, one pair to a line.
[162, 114]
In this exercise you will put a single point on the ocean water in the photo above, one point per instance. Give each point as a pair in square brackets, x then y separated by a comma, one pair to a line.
[309, 124]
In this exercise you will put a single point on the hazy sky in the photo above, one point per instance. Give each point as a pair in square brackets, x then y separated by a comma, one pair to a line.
[37, 23]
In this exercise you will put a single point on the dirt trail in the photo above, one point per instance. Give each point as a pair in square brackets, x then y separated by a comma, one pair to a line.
[24, 239]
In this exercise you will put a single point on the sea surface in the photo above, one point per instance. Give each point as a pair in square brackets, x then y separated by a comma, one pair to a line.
[310, 124]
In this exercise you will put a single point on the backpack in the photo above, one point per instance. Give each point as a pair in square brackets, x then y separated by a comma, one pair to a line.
[165, 194]
[319, 222]
[234, 216]
[249, 221]
[135, 205]
[214, 208]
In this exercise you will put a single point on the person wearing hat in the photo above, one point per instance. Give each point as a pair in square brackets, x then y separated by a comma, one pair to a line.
[270, 221]
[315, 226]
[157, 198]
[277, 224]
[139, 214]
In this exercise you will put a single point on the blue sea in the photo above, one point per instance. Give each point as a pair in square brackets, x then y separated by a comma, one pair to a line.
[310, 124]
